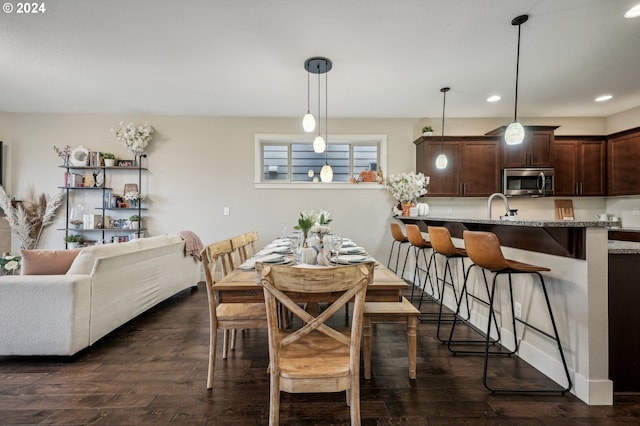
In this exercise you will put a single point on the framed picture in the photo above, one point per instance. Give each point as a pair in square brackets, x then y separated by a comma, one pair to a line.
[124, 163]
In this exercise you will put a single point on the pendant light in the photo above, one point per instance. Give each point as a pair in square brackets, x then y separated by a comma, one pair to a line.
[308, 121]
[318, 65]
[514, 134]
[441, 160]
[326, 173]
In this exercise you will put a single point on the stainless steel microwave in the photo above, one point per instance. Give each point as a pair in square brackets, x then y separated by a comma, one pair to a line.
[529, 181]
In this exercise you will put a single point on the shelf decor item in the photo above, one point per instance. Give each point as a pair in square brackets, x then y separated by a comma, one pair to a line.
[64, 153]
[134, 138]
[109, 159]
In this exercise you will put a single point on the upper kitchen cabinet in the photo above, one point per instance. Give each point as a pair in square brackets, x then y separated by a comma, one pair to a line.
[473, 168]
[580, 165]
[623, 163]
[534, 151]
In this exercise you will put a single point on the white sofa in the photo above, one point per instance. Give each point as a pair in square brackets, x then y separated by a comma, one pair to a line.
[106, 286]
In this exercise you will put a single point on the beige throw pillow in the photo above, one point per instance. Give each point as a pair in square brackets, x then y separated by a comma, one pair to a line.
[47, 262]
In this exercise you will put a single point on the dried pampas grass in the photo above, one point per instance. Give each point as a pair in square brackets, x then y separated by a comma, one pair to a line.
[29, 219]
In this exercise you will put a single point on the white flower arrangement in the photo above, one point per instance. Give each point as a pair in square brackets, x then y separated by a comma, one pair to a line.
[407, 187]
[134, 138]
[10, 264]
[133, 196]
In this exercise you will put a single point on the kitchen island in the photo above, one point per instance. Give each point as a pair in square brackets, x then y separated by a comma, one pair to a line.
[576, 252]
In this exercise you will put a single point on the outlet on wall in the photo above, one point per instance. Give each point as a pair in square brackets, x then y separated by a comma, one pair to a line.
[517, 309]
[636, 212]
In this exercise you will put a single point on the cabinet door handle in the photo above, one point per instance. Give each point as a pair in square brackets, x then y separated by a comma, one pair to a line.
[464, 189]
[580, 188]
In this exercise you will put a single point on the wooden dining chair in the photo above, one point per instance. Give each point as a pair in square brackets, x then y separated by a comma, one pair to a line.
[250, 242]
[239, 247]
[226, 316]
[314, 357]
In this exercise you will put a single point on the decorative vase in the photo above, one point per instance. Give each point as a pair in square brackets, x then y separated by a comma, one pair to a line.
[135, 224]
[109, 162]
[406, 209]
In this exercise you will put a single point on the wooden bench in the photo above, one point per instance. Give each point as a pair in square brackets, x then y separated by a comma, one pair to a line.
[390, 313]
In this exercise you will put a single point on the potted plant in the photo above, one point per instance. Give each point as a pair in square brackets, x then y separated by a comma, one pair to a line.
[73, 241]
[134, 222]
[109, 159]
[427, 131]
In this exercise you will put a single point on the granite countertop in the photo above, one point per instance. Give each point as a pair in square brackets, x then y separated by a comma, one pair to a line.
[534, 223]
[623, 247]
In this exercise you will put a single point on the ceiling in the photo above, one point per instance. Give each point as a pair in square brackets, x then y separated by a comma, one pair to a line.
[390, 58]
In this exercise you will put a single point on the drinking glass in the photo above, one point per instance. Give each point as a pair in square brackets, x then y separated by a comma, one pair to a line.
[336, 244]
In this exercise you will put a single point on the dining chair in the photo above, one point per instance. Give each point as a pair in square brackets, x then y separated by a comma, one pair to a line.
[250, 242]
[239, 247]
[226, 316]
[314, 357]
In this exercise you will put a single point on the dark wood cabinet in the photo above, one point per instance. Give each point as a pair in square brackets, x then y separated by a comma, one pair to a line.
[580, 166]
[623, 163]
[473, 168]
[534, 151]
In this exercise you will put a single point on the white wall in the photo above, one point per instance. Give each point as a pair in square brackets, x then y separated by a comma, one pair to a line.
[199, 165]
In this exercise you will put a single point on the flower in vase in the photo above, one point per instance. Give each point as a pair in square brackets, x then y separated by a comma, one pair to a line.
[10, 264]
[306, 220]
[135, 139]
[407, 187]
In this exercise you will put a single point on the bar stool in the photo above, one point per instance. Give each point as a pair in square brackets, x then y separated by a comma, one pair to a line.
[442, 244]
[420, 245]
[484, 250]
[399, 239]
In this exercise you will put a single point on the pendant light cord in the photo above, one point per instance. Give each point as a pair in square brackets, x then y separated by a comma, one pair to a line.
[326, 112]
[515, 110]
[308, 90]
[444, 101]
[319, 111]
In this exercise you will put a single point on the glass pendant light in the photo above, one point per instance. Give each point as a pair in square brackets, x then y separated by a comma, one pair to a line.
[308, 121]
[441, 160]
[514, 134]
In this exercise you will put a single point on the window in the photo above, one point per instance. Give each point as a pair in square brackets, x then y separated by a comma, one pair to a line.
[282, 159]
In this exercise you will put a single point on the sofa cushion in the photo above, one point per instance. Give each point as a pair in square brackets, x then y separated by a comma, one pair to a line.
[83, 263]
[47, 262]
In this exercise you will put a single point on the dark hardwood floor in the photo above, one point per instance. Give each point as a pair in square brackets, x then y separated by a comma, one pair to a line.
[153, 371]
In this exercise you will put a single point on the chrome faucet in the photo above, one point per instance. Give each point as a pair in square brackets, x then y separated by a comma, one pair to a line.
[506, 204]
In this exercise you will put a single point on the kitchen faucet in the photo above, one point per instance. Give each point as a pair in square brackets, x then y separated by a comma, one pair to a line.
[506, 204]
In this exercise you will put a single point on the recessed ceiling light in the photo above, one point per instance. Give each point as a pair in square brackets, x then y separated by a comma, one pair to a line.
[494, 98]
[634, 12]
[603, 98]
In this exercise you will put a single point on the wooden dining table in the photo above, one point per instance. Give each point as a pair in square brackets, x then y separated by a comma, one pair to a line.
[241, 286]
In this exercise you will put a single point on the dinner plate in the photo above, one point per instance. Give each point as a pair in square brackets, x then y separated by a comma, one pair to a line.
[352, 250]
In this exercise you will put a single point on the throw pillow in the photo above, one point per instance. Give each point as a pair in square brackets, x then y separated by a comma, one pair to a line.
[47, 262]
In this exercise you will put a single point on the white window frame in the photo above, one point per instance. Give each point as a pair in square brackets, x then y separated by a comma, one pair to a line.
[261, 139]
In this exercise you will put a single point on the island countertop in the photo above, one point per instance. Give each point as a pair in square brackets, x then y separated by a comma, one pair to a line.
[557, 237]
[539, 223]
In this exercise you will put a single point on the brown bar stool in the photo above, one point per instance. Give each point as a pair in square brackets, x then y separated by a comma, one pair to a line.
[420, 245]
[484, 250]
[399, 239]
[442, 244]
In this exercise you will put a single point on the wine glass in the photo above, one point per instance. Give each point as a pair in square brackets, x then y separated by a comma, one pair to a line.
[336, 244]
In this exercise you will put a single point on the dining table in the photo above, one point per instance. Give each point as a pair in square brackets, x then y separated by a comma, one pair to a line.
[241, 285]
